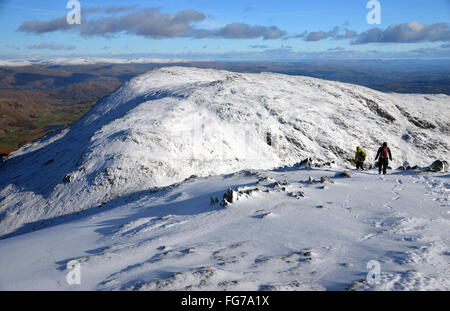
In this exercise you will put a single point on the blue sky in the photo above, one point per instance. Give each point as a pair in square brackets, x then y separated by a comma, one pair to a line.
[235, 30]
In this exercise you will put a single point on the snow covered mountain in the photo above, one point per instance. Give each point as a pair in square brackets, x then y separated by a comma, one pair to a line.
[164, 126]
[87, 61]
[133, 190]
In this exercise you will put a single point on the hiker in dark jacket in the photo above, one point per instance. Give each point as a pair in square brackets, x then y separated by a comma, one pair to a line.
[384, 153]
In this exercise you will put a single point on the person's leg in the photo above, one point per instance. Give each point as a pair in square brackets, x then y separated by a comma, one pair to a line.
[385, 165]
[380, 166]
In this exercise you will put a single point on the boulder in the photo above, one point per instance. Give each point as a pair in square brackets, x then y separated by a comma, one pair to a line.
[406, 167]
[305, 163]
[345, 174]
[298, 194]
[438, 166]
[69, 178]
[310, 162]
[326, 180]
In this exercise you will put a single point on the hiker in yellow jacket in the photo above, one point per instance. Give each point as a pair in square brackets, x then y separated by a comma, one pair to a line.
[360, 157]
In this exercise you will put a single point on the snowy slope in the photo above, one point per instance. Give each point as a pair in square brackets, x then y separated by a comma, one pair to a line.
[99, 60]
[271, 238]
[15, 63]
[171, 123]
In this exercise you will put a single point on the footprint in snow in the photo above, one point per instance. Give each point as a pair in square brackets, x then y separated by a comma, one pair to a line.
[263, 215]
[397, 188]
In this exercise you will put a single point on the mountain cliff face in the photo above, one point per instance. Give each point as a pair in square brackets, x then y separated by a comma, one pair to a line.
[164, 126]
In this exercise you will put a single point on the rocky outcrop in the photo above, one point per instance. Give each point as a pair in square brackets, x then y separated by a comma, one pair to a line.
[345, 174]
[438, 166]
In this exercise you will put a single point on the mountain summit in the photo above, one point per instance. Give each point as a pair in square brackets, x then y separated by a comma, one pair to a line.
[169, 124]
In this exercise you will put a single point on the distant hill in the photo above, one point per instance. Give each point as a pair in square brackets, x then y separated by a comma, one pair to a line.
[34, 97]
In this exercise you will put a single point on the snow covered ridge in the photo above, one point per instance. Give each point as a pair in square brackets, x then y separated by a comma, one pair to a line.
[88, 61]
[285, 229]
[172, 123]
[14, 63]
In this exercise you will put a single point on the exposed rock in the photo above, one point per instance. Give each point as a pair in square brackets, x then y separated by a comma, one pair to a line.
[201, 275]
[356, 285]
[269, 138]
[229, 283]
[242, 192]
[305, 163]
[374, 107]
[310, 162]
[212, 201]
[416, 121]
[438, 166]
[265, 180]
[229, 197]
[407, 167]
[423, 140]
[69, 178]
[326, 179]
[443, 127]
[192, 177]
[306, 254]
[267, 287]
[296, 142]
[279, 185]
[232, 196]
[408, 138]
[166, 217]
[345, 174]
[298, 194]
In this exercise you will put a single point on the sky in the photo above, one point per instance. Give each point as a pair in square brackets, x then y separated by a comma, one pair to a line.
[226, 30]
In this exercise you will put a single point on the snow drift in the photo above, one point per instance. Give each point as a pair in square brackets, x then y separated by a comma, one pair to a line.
[171, 123]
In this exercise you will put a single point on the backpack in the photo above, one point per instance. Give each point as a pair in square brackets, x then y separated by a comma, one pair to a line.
[385, 152]
[361, 156]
